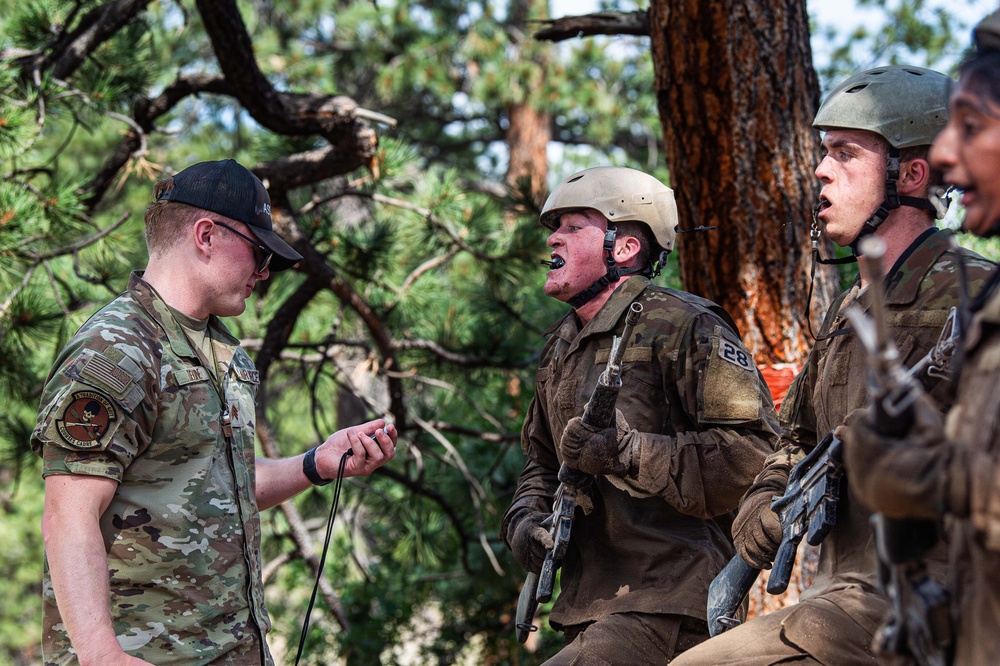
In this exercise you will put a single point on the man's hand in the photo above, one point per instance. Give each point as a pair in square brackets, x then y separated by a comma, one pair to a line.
[914, 476]
[531, 542]
[599, 451]
[757, 530]
[373, 444]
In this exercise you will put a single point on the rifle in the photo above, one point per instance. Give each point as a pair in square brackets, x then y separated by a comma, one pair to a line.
[810, 498]
[919, 622]
[807, 509]
[599, 413]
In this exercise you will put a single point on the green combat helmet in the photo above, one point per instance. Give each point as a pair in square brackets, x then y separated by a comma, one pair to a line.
[620, 195]
[906, 106]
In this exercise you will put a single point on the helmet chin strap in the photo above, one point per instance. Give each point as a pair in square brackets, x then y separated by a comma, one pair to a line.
[613, 274]
[892, 201]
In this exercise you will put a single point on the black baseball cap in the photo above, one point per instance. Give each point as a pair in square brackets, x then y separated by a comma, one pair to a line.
[228, 188]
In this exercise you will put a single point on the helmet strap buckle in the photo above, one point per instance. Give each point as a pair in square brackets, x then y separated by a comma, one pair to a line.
[891, 178]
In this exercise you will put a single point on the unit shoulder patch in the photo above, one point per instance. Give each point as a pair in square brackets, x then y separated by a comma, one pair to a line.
[86, 420]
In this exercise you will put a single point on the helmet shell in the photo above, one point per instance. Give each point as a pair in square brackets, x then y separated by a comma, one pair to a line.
[986, 35]
[907, 106]
[620, 194]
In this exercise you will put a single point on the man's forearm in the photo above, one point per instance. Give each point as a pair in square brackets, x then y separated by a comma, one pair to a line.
[78, 566]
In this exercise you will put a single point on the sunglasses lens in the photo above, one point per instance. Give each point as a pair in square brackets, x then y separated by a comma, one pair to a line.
[266, 262]
[266, 254]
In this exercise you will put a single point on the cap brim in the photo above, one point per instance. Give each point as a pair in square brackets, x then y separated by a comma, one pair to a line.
[284, 256]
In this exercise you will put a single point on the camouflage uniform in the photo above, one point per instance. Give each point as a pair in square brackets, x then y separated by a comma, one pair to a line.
[974, 424]
[651, 544]
[130, 399]
[836, 618]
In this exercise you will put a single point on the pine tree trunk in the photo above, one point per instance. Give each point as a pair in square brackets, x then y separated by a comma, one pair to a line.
[527, 137]
[737, 92]
[529, 126]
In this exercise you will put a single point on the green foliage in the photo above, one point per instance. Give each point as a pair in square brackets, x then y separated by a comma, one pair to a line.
[988, 247]
[442, 257]
[447, 269]
[21, 568]
[913, 32]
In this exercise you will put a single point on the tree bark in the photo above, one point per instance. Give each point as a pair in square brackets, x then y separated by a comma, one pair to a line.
[529, 126]
[737, 93]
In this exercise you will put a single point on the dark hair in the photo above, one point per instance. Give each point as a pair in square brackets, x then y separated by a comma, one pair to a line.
[640, 231]
[914, 153]
[980, 73]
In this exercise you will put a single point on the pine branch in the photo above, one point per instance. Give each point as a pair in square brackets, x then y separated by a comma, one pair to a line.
[67, 53]
[476, 492]
[598, 23]
[299, 531]
[461, 360]
[336, 118]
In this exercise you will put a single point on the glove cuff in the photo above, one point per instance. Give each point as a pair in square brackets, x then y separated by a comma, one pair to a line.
[631, 453]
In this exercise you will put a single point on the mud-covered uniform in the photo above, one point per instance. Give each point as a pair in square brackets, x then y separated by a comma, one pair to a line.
[131, 399]
[930, 472]
[837, 616]
[973, 425]
[655, 540]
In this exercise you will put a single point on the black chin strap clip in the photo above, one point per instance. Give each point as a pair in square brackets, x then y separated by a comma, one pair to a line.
[612, 274]
[614, 271]
[609, 253]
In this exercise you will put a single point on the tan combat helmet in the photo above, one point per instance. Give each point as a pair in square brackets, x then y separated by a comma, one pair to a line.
[907, 106]
[619, 194]
[986, 35]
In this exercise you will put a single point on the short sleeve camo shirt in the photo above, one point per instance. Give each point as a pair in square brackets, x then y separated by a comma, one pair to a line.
[130, 399]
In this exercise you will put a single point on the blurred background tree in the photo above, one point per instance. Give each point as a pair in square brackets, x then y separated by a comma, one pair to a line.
[407, 149]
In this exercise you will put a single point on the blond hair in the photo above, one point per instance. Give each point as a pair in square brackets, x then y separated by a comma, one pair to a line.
[166, 221]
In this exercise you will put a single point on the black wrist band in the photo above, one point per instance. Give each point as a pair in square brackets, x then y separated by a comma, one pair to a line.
[309, 467]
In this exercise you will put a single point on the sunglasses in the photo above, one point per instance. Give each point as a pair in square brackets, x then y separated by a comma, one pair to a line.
[263, 262]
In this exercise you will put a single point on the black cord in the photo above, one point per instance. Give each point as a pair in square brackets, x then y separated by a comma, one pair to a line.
[326, 546]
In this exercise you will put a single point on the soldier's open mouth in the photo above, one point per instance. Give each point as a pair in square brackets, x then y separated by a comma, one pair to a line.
[555, 264]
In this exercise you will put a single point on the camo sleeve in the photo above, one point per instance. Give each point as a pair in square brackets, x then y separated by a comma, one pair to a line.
[726, 424]
[92, 410]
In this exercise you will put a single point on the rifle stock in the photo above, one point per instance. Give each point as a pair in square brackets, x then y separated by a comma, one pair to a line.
[726, 594]
[599, 412]
[527, 604]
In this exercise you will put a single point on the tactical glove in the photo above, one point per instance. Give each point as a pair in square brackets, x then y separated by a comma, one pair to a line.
[600, 451]
[918, 475]
[531, 542]
[757, 530]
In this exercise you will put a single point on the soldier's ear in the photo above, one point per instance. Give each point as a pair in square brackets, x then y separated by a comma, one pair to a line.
[914, 176]
[202, 233]
[626, 247]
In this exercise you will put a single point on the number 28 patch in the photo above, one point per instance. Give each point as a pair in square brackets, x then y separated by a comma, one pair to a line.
[730, 352]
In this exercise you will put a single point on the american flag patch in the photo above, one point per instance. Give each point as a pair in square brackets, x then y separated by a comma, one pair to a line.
[100, 370]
